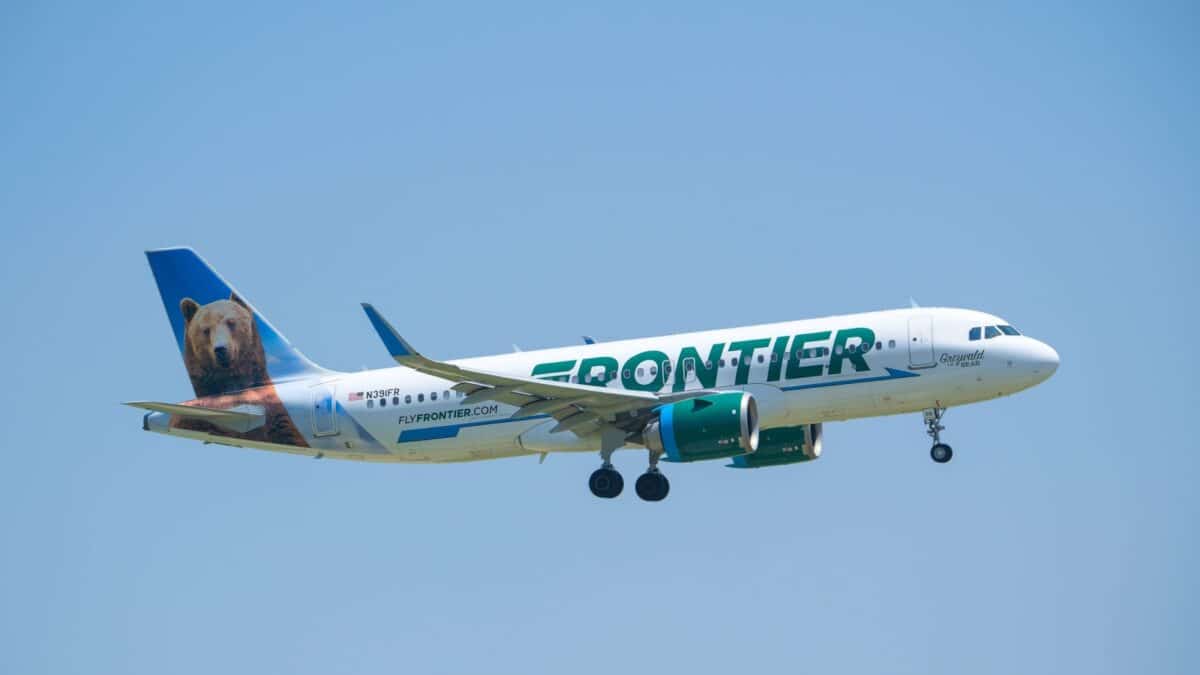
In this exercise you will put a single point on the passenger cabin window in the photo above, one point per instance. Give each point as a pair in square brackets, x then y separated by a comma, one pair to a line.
[420, 398]
[407, 399]
[990, 332]
[974, 333]
[370, 403]
[891, 344]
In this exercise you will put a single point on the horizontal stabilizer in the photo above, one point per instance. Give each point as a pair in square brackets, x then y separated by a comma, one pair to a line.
[241, 418]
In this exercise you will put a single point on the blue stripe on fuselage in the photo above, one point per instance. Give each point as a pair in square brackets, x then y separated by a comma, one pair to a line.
[451, 430]
[665, 417]
[893, 374]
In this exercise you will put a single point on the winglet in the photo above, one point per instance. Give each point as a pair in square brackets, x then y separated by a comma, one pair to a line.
[395, 344]
[589, 340]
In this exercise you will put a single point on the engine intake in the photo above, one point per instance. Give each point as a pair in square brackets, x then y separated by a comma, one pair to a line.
[705, 427]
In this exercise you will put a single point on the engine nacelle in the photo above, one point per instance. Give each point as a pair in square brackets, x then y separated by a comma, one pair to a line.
[705, 427]
[783, 445]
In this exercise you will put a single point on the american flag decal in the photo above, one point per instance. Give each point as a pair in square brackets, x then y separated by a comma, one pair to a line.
[356, 396]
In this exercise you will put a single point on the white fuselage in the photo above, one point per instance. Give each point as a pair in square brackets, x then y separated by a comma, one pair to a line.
[918, 358]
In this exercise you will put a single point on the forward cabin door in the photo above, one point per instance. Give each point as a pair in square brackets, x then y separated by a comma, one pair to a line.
[323, 409]
[920, 342]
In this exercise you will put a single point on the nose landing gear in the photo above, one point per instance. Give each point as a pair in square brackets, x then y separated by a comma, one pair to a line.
[940, 452]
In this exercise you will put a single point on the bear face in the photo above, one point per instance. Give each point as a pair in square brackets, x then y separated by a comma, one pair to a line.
[222, 349]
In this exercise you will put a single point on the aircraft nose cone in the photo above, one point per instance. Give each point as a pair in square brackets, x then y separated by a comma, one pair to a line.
[1043, 359]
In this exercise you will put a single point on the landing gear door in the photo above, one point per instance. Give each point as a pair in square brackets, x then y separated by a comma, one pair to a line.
[920, 342]
[324, 409]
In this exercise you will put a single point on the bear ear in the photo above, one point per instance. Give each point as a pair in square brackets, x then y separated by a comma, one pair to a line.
[189, 308]
[234, 297]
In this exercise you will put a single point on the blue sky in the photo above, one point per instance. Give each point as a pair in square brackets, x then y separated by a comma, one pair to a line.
[528, 173]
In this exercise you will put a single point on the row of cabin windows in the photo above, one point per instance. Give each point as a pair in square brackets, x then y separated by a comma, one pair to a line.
[408, 398]
[989, 332]
[688, 364]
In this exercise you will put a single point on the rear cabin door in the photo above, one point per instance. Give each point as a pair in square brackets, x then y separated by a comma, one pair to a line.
[323, 409]
[920, 342]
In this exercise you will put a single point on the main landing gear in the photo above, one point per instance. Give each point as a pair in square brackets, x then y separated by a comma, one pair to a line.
[607, 483]
[653, 486]
[940, 452]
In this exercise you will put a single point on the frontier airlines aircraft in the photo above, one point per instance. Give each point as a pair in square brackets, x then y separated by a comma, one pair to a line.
[756, 396]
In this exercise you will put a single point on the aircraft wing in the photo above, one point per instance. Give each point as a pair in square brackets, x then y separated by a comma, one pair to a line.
[576, 406]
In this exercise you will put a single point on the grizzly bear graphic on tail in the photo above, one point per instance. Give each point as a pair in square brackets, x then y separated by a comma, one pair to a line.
[233, 356]
[221, 347]
[227, 364]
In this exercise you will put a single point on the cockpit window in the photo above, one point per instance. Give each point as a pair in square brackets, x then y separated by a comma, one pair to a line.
[1008, 330]
[974, 334]
[990, 332]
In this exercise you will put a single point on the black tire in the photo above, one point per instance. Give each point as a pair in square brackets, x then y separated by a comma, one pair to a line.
[606, 483]
[652, 486]
[941, 453]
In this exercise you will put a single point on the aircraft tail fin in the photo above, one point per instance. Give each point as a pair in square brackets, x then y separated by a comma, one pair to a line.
[226, 344]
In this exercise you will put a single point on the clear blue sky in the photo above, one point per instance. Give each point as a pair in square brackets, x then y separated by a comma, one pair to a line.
[525, 174]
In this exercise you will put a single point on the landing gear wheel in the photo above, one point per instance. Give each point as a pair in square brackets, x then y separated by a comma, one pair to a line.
[941, 453]
[652, 486]
[606, 483]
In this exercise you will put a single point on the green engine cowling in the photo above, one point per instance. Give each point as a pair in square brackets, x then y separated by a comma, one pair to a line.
[783, 445]
[705, 427]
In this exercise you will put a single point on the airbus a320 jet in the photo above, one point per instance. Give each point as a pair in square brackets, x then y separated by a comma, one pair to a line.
[756, 396]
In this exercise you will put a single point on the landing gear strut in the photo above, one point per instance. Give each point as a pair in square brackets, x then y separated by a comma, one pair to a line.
[606, 482]
[653, 486]
[940, 452]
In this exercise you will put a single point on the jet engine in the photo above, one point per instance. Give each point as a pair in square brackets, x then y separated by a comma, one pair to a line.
[783, 445]
[705, 427]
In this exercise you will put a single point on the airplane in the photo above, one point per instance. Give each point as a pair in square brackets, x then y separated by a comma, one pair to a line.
[757, 396]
